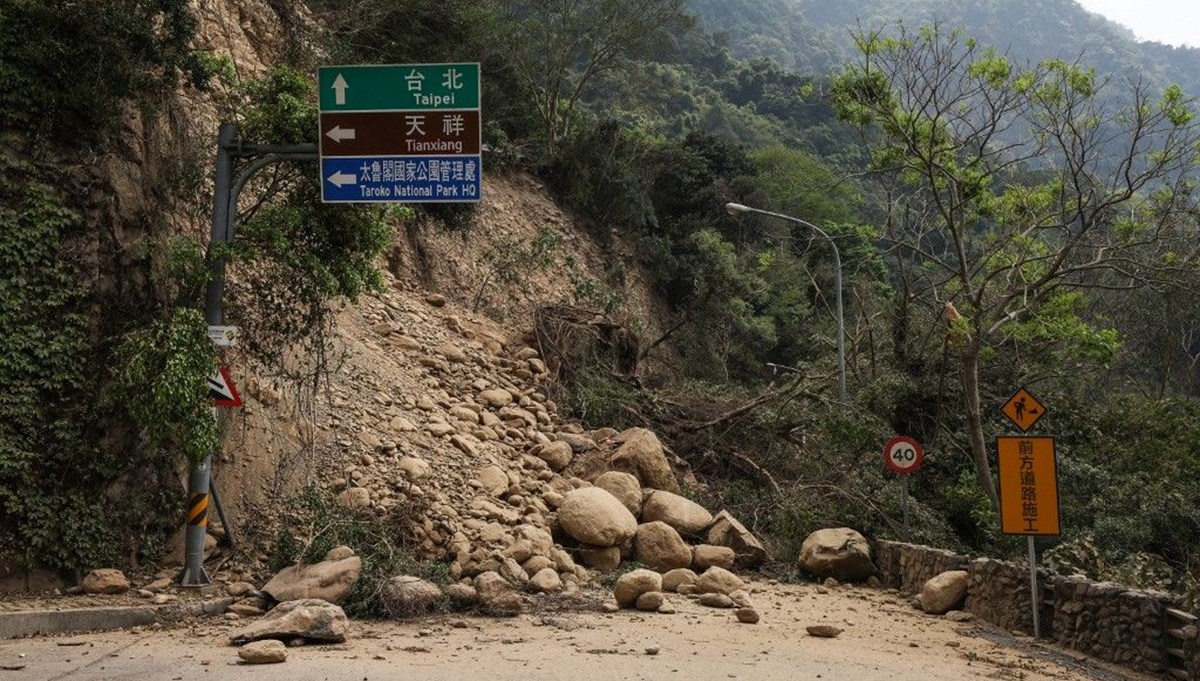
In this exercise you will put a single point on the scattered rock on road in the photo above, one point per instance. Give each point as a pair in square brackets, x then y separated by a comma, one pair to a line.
[747, 615]
[263, 652]
[311, 619]
[823, 631]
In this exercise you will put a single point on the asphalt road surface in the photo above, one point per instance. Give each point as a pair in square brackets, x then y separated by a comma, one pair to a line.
[883, 638]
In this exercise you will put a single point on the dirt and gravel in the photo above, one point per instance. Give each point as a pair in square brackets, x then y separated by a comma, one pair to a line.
[883, 638]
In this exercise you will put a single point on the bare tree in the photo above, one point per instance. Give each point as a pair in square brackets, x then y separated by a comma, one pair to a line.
[1020, 186]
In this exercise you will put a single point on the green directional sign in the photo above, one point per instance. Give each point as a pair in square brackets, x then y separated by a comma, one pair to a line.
[410, 87]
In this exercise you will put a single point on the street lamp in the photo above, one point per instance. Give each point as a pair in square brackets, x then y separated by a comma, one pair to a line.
[739, 209]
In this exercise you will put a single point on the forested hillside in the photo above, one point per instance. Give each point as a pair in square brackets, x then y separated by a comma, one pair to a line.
[1000, 221]
[813, 36]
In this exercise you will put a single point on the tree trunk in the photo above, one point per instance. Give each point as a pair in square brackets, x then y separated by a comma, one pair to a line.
[970, 380]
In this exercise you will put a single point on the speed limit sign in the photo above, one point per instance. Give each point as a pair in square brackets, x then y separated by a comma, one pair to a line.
[902, 455]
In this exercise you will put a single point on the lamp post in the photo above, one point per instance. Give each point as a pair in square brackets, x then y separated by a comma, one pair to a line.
[739, 209]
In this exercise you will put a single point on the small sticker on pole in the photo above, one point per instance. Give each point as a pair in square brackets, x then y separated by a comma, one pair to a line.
[223, 336]
[903, 455]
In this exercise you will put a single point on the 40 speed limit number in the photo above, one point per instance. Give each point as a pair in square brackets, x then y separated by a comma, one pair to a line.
[903, 455]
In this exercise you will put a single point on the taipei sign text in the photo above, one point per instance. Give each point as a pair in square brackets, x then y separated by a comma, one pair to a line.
[400, 133]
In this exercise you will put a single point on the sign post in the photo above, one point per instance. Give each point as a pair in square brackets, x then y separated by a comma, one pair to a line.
[400, 133]
[903, 456]
[1028, 472]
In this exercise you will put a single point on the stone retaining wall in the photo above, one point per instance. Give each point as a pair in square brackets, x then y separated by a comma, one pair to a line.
[1106, 620]
[908, 566]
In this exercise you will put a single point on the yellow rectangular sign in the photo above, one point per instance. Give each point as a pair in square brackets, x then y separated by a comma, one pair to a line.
[1028, 486]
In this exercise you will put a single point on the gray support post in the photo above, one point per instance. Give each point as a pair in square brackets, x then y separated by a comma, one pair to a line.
[907, 533]
[216, 502]
[1033, 589]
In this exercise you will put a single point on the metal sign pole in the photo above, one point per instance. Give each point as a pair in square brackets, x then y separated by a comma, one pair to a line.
[907, 534]
[1033, 589]
[226, 189]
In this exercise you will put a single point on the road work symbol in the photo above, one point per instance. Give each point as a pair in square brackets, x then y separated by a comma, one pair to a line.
[1024, 410]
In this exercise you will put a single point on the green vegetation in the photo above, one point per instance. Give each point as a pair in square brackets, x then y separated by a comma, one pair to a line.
[317, 523]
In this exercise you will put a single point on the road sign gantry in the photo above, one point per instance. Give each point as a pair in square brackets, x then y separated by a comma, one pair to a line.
[400, 133]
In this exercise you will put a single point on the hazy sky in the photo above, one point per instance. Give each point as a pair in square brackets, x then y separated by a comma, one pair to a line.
[1174, 22]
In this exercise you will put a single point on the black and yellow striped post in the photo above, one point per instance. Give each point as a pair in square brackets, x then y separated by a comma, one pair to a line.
[197, 509]
[197, 525]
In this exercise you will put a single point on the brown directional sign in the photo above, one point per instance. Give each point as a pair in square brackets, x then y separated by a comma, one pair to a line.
[1023, 409]
[400, 133]
[1028, 473]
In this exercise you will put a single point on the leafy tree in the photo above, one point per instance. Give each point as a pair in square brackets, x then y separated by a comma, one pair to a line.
[1017, 186]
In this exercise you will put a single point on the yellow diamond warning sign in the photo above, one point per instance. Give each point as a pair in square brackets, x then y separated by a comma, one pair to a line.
[1023, 409]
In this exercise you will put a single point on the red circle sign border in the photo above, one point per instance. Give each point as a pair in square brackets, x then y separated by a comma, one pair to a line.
[891, 465]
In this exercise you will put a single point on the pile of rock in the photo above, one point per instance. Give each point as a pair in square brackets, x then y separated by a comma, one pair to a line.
[439, 422]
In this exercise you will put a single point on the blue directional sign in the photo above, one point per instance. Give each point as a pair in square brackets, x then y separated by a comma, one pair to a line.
[401, 178]
[400, 133]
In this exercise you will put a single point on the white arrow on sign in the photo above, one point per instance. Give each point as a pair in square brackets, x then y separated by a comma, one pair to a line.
[341, 179]
[339, 89]
[339, 133]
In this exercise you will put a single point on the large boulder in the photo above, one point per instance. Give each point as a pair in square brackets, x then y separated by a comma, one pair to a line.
[105, 581]
[683, 514]
[493, 480]
[311, 619]
[635, 583]
[329, 580]
[406, 595]
[837, 552]
[546, 581]
[707, 556]
[943, 593]
[497, 596]
[675, 578]
[727, 531]
[604, 559]
[594, 516]
[720, 581]
[659, 547]
[641, 454]
[624, 487]
[557, 455]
